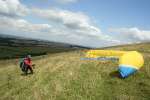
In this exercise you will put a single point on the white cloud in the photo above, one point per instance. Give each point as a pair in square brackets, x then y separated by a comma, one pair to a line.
[62, 25]
[12, 8]
[77, 22]
[132, 34]
[21, 25]
[66, 1]
[76, 27]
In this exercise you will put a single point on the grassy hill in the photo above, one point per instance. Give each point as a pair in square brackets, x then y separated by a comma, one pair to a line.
[63, 76]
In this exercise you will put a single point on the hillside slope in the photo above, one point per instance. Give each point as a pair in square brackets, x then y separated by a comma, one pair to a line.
[63, 76]
[15, 47]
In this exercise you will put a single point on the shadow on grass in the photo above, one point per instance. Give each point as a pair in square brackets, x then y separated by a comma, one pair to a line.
[23, 74]
[115, 74]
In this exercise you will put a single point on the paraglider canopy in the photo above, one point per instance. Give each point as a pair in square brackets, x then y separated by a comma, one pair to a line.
[129, 61]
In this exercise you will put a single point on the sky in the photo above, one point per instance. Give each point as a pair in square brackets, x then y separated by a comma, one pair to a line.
[93, 23]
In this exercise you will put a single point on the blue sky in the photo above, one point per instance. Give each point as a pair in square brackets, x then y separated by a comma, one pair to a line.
[106, 13]
[100, 22]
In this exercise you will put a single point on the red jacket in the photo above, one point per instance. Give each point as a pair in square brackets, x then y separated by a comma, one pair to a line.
[28, 61]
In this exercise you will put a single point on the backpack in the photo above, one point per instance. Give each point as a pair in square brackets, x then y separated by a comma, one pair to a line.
[22, 65]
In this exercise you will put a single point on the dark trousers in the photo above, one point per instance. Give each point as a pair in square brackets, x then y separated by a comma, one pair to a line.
[28, 68]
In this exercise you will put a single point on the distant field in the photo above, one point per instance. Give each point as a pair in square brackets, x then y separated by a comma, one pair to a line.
[15, 47]
[7, 52]
[63, 76]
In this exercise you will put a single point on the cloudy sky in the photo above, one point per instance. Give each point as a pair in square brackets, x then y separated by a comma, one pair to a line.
[94, 23]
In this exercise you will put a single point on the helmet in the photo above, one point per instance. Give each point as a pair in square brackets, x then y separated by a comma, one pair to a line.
[28, 56]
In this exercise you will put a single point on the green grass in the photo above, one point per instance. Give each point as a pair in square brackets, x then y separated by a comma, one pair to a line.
[63, 76]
